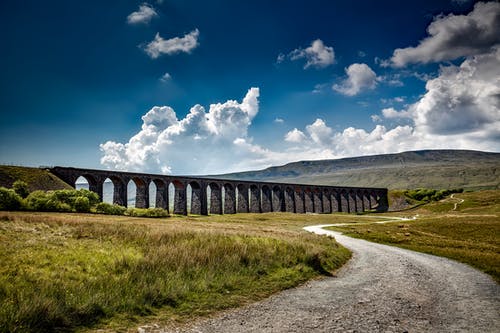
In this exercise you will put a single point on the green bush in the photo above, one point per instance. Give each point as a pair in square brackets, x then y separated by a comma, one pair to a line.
[109, 209]
[62, 200]
[21, 188]
[146, 212]
[47, 202]
[82, 204]
[427, 195]
[9, 199]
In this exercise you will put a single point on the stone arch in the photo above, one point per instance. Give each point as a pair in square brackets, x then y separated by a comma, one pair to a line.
[299, 200]
[152, 194]
[278, 200]
[180, 197]
[266, 199]
[161, 196]
[229, 199]
[308, 200]
[352, 201]
[366, 200]
[108, 190]
[317, 200]
[373, 199]
[359, 201]
[94, 183]
[197, 198]
[242, 199]
[382, 201]
[254, 199]
[141, 198]
[344, 201]
[215, 198]
[289, 200]
[119, 186]
[131, 192]
[335, 202]
[81, 183]
[327, 201]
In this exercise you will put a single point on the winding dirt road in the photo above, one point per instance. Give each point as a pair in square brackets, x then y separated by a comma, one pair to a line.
[381, 289]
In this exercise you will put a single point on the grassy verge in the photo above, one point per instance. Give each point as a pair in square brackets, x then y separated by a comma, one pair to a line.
[469, 234]
[75, 271]
[36, 178]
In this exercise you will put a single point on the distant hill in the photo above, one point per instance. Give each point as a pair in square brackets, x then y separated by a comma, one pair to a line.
[426, 168]
[36, 178]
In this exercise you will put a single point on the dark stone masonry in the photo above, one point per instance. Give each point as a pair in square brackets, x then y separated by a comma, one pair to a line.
[220, 196]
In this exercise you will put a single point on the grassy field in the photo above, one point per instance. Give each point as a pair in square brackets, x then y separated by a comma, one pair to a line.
[469, 234]
[83, 272]
[66, 272]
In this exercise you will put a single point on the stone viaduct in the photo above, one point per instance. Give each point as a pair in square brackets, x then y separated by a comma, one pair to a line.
[222, 196]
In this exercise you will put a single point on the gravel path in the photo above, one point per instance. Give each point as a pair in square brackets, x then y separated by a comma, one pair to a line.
[381, 289]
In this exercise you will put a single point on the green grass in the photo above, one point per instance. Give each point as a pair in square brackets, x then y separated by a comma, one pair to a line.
[470, 234]
[71, 271]
[36, 178]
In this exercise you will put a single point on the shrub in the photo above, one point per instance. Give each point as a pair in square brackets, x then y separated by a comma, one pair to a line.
[425, 194]
[47, 202]
[9, 199]
[21, 188]
[82, 204]
[62, 200]
[149, 212]
[106, 208]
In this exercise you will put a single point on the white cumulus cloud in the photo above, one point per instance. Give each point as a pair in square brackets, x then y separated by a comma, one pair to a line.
[462, 99]
[160, 46]
[316, 55]
[295, 135]
[359, 78]
[454, 36]
[144, 15]
[392, 113]
[200, 142]
[459, 110]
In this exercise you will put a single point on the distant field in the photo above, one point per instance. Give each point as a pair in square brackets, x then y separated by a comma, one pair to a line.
[470, 233]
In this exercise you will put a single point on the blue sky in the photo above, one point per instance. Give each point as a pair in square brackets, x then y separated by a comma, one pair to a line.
[216, 86]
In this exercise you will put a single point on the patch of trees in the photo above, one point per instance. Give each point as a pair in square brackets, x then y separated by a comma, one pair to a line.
[428, 195]
[80, 201]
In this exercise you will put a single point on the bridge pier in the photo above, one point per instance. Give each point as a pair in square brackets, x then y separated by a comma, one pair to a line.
[277, 200]
[327, 202]
[254, 199]
[197, 198]
[180, 198]
[299, 200]
[266, 199]
[243, 202]
[317, 201]
[215, 198]
[141, 193]
[289, 198]
[229, 199]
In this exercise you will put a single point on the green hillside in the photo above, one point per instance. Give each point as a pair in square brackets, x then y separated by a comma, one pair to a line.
[36, 178]
[426, 168]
